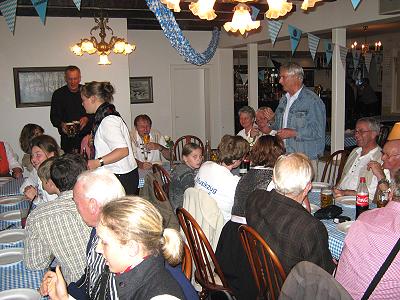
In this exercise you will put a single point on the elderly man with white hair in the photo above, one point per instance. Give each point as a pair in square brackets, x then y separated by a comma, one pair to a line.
[280, 218]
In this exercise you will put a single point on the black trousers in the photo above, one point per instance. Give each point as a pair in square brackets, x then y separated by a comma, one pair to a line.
[130, 182]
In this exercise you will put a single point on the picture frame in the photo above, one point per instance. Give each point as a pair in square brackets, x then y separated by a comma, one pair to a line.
[34, 86]
[141, 89]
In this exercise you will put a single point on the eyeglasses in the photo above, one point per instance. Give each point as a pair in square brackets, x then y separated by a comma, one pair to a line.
[389, 155]
[361, 132]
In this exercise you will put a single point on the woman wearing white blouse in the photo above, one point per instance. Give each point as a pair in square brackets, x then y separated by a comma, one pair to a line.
[113, 148]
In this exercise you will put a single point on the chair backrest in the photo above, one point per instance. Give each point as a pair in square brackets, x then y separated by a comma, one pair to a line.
[187, 262]
[334, 167]
[182, 141]
[159, 192]
[383, 135]
[164, 177]
[204, 258]
[266, 268]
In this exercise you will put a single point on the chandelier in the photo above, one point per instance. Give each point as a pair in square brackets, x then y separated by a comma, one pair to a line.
[241, 20]
[366, 47]
[91, 46]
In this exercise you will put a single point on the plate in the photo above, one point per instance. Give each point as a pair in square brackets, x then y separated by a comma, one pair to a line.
[346, 200]
[11, 256]
[10, 236]
[344, 227]
[5, 179]
[20, 294]
[12, 215]
[11, 200]
[314, 208]
[317, 185]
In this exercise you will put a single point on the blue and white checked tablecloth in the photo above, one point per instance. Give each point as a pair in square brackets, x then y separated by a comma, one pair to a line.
[11, 188]
[17, 276]
[349, 140]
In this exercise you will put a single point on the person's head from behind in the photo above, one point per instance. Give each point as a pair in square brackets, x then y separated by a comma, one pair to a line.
[96, 93]
[43, 147]
[232, 149]
[142, 124]
[366, 131]
[292, 175]
[94, 189]
[66, 169]
[247, 116]
[72, 78]
[28, 132]
[45, 176]
[192, 155]
[266, 151]
[130, 229]
[291, 77]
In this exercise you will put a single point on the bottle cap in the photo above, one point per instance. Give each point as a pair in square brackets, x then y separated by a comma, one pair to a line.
[362, 179]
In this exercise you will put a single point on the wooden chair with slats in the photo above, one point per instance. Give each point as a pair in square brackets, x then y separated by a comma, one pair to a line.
[159, 192]
[187, 262]
[208, 273]
[266, 268]
[182, 141]
[164, 177]
[334, 167]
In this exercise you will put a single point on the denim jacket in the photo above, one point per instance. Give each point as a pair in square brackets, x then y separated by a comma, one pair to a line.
[307, 116]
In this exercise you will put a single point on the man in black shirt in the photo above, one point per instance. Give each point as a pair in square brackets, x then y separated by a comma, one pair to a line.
[66, 107]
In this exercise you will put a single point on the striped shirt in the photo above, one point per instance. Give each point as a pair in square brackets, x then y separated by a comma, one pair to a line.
[367, 245]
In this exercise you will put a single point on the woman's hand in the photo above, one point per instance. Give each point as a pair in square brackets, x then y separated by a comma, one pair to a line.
[57, 288]
[30, 192]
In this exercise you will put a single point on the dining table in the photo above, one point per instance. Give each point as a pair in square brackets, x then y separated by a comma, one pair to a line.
[15, 275]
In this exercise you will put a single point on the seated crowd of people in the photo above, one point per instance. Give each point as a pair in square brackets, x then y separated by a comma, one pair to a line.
[108, 243]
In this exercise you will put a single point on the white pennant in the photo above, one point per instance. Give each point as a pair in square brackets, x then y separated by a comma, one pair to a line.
[273, 28]
[244, 78]
[343, 54]
[8, 9]
[313, 42]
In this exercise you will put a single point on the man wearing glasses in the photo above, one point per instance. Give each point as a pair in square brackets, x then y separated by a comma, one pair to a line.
[366, 132]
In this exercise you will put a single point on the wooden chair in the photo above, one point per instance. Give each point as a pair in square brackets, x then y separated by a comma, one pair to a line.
[182, 141]
[159, 192]
[208, 272]
[164, 176]
[267, 270]
[334, 167]
[383, 135]
[187, 262]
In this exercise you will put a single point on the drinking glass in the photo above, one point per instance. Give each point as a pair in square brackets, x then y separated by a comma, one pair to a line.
[383, 198]
[326, 197]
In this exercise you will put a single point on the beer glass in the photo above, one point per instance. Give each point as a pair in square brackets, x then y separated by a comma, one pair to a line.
[383, 198]
[146, 140]
[326, 197]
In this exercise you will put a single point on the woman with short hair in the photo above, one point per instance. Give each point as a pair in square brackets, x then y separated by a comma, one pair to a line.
[247, 116]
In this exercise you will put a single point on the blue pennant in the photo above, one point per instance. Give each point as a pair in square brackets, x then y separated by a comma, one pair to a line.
[295, 36]
[328, 51]
[175, 36]
[355, 3]
[41, 7]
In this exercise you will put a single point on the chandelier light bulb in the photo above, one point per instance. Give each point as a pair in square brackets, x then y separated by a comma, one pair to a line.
[172, 4]
[128, 48]
[204, 9]
[277, 8]
[87, 46]
[308, 3]
[77, 50]
[104, 60]
[241, 20]
[119, 47]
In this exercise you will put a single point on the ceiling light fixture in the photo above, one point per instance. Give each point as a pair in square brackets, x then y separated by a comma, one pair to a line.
[366, 47]
[172, 4]
[204, 9]
[90, 46]
[308, 3]
[277, 8]
[241, 20]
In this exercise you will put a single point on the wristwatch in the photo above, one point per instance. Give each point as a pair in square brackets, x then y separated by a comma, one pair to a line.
[383, 180]
[101, 160]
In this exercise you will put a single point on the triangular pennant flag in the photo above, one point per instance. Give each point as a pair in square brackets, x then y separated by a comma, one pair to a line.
[41, 7]
[8, 9]
[313, 42]
[355, 3]
[261, 75]
[77, 4]
[343, 54]
[243, 77]
[356, 58]
[328, 47]
[295, 36]
[273, 28]
[367, 60]
[254, 13]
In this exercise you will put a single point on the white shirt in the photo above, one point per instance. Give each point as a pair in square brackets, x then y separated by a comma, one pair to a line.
[153, 156]
[290, 101]
[220, 184]
[12, 158]
[112, 134]
[42, 195]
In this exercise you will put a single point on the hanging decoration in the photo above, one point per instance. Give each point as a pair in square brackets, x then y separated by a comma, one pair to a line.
[328, 51]
[273, 28]
[356, 58]
[367, 60]
[254, 13]
[244, 78]
[295, 36]
[355, 3]
[8, 9]
[77, 4]
[261, 75]
[176, 37]
[313, 42]
[41, 7]
[343, 54]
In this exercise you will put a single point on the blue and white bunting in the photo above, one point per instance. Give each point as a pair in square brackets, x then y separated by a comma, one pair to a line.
[273, 28]
[355, 3]
[367, 60]
[41, 7]
[77, 4]
[295, 36]
[343, 54]
[328, 47]
[254, 13]
[8, 9]
[313, 42]
[244, 77]
[261, 75]
[356, 58]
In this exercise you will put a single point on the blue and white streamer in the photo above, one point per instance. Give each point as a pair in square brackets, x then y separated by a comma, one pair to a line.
[273, 28]
[313, 42]
[175, 36]
[8, 9]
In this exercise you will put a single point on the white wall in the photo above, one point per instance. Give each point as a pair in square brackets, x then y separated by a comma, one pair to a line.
[154, 56]
[35, 45]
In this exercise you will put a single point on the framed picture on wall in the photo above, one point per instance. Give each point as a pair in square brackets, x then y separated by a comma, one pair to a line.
[141, 89]
[35, 86]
